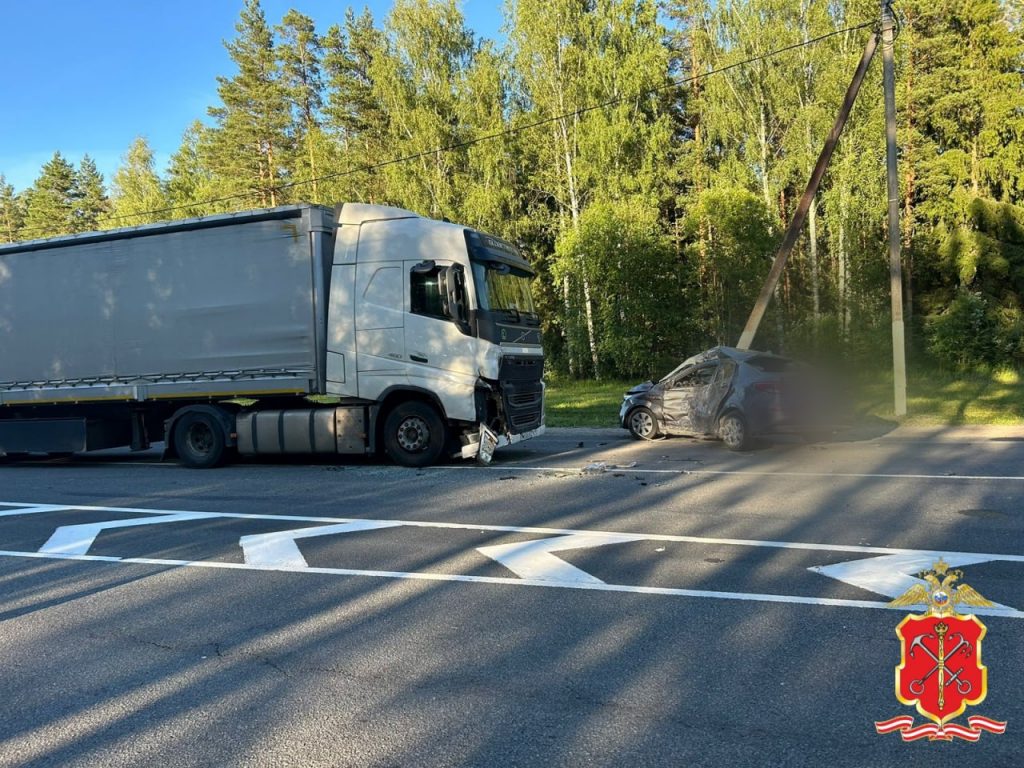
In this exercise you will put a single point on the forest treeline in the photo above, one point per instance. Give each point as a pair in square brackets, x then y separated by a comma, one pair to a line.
[650, 198]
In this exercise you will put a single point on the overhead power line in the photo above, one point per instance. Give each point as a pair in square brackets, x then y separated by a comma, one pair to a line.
[674, 83]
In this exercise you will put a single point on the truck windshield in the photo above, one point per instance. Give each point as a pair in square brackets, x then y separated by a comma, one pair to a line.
[503, 289]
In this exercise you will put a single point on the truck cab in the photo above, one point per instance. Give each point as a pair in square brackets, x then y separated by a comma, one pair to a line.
[430, 312]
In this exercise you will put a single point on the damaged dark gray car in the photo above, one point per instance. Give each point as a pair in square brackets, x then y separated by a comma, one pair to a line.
[733, 394]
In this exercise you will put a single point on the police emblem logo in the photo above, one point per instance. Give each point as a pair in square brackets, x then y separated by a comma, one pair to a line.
[940, 671]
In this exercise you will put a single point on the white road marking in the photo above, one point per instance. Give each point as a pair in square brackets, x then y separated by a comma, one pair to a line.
[533, 560]
[77, 539]
[854, 548]
[890, 575]
[279, 548]
[33, 510]
[743, 472]
[74, 543]
[420, 576]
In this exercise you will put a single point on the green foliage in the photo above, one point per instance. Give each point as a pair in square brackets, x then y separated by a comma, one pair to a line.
[650, 198]
[731, 243]
[980, 323]
[636, 283]
[91, 203]
[50, 201]
[964, 335]
[136, 188]
[12, 213]
[251, 143]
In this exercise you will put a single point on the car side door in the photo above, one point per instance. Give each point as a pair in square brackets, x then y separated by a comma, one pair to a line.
[681, 396]
[709, 404]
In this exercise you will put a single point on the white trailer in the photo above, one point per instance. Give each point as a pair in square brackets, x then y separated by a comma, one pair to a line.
[299, 329]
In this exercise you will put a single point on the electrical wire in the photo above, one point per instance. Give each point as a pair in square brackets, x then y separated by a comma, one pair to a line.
[674, 83]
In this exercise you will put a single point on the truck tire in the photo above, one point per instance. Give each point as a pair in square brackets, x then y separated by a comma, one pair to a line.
[200, 441]
[414, 435]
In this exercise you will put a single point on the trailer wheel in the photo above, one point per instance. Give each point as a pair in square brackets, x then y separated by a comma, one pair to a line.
[414, 435]
[199, 440]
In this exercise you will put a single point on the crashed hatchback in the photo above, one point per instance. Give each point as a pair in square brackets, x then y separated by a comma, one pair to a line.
[733, 394]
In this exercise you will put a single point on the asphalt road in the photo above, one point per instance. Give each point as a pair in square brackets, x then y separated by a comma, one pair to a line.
[277, 614]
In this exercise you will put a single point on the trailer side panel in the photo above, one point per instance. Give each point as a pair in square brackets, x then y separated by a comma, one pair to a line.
[164, 311]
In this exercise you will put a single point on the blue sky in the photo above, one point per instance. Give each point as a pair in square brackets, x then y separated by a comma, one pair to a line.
[88, 77]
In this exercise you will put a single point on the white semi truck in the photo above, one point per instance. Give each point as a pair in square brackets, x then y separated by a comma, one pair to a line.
[299, 329]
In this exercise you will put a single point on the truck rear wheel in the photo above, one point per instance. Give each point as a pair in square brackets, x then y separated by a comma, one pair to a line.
[200, 441]
[414, 435]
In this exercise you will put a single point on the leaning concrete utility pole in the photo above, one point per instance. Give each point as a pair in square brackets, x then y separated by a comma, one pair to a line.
[797, 222]
[899, 355]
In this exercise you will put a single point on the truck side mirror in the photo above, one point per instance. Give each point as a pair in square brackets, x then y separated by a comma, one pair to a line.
[452, 283]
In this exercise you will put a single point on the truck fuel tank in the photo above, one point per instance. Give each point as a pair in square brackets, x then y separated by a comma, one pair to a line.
[307, 430]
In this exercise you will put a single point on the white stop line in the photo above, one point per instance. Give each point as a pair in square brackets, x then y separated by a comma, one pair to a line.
[534, 562]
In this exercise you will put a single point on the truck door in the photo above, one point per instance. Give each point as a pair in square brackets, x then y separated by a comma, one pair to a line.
[380, 320]
[434, 340]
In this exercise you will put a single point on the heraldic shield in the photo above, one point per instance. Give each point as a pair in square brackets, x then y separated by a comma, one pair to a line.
[941, 670]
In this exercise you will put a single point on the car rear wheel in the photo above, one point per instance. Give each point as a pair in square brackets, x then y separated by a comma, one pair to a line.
[642, 424]
[732, 428]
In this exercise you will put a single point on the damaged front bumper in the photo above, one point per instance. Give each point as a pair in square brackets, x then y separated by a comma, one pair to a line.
[482, 443]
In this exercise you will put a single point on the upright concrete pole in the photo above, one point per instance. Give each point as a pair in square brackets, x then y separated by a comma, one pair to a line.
[899, 355]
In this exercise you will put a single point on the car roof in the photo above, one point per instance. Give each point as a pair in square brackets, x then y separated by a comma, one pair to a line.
[732, 353]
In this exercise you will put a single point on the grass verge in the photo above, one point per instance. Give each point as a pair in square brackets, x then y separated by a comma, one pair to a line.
[938, 397]
[933, 398]
[584, 403]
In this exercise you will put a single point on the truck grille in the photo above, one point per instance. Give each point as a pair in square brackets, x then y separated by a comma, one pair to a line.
[524, 406]
[522, 392]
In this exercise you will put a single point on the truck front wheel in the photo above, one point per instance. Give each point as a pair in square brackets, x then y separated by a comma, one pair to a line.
[414, 435]
[199, 440]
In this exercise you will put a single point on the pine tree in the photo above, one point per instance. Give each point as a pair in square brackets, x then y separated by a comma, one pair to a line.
[91, 201]
[300, 52]
[138, 195]
[12, 213]
[251, 145]
[349, 52]
[353, 114]
[50, 201]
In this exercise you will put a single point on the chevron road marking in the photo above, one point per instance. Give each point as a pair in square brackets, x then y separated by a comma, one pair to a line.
[890, 575]
[533, 562]
[21, 509]
[77, 539]
[279, 548]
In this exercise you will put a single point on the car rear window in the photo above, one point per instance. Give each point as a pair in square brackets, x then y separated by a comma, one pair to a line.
[770, 364]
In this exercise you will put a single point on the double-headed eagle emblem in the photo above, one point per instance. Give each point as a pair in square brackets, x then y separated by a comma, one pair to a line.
[940, 671]
[941, 596]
